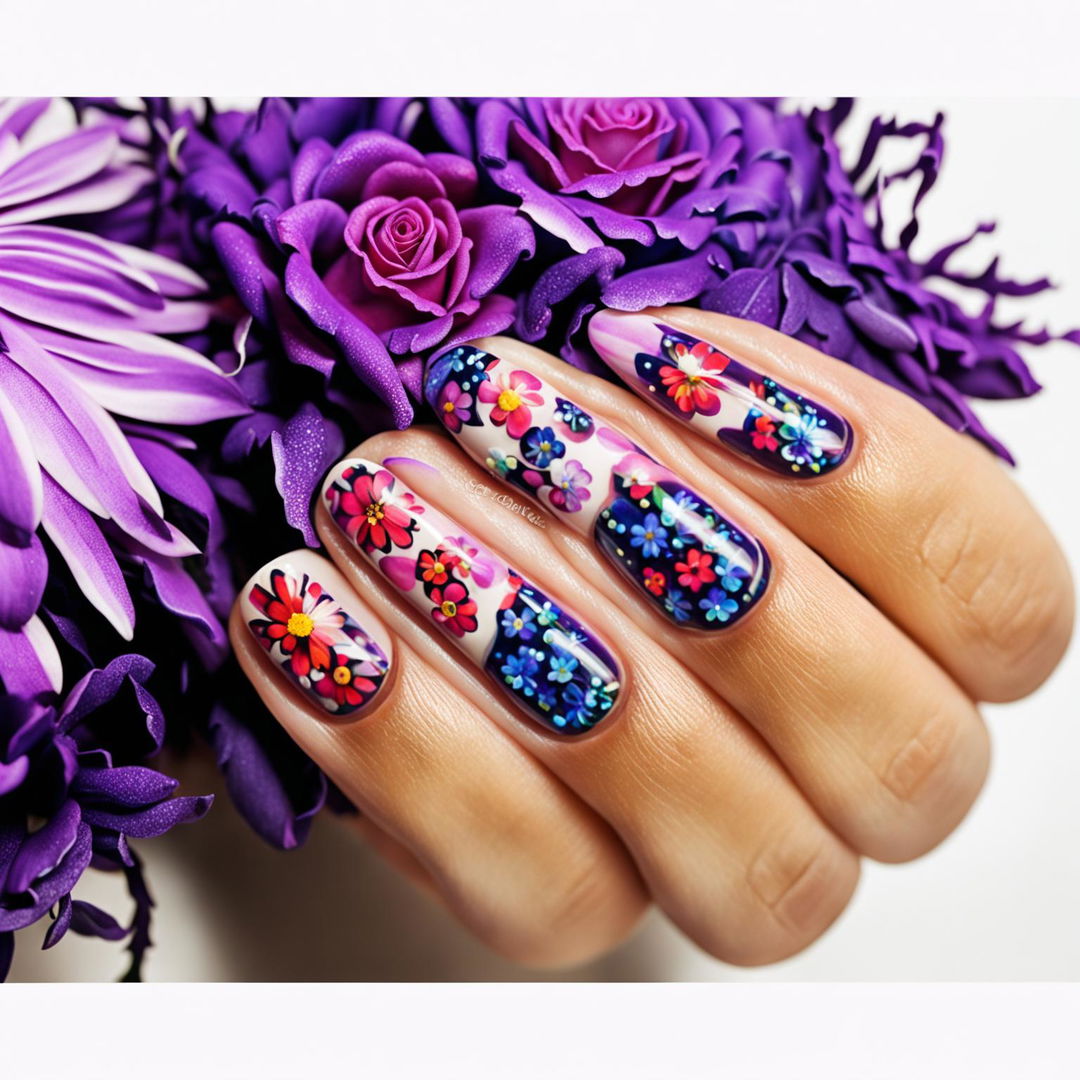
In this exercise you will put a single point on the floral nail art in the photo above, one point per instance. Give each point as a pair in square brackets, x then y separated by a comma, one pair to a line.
[691, 562]
[315, 641]
[538, 653]
[716, 394]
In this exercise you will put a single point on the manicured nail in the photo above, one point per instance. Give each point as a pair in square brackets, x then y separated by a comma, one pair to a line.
[717, 395]
[536, 651]
[689, 560]
[315, 641]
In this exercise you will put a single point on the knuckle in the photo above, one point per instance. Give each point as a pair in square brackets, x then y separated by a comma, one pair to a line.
[1007, 608]
[928, 781]
[575, 920]
[798, 888]
[922, 756]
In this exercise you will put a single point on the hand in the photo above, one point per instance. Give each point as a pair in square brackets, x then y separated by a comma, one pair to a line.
[731, 640]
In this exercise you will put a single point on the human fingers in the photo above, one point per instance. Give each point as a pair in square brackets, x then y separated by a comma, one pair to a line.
[520, 860]
[923, 519]
[727, 845]
[876, 734]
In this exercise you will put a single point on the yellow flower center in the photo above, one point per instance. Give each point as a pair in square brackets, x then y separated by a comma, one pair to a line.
[438, 568]
[545, 446]
[342, 675]
[448, 608]
[448, 407]
[509, 400]
[519, 623]
[374, 512]
[300, 624]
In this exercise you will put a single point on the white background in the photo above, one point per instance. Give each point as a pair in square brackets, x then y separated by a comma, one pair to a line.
[998, 901]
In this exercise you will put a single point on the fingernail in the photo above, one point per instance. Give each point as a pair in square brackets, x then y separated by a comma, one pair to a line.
[686, 558]
[716, 394]
[536, 651]
[324, 649]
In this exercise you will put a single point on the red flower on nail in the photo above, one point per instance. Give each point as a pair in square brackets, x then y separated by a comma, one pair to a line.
[364, 510]
[454, 609]
[696, 571]
[693, 383]
[762, 436]
[655, 580]
[344, 682]
[515, 584]
[435, 567]
[300, 618]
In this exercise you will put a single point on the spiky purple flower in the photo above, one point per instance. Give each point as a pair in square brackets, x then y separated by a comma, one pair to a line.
[78, 772]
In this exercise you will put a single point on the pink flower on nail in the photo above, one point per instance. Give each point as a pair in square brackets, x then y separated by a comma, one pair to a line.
[512, 394]
[641, 473]
[454, 406]
[470, 561]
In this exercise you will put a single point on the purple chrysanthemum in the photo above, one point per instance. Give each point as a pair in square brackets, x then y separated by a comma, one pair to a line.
[86, 375]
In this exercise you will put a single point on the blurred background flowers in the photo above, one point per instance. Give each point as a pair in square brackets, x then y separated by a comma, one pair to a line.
[200, 309]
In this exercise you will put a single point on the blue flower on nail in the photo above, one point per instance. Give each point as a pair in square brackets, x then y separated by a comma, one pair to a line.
[649, 536]
[803, 435]
[575, 710]
[677, 605]
[547, 614]
[573, 416]
[677, 509]
[717, 606]
[541, 447]
[520, 670]
[733, 578]
[519, 623]
[562, 668]
[546, 696]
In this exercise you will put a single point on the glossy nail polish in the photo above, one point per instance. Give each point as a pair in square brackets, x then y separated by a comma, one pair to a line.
[721, 397]
[537, 652]
[315, 641]
[689, 560]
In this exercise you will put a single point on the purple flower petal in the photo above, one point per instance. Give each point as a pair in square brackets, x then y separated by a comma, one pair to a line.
[43, 851]
[13, 773]
[126, 785]
[29, 662]
[153, 821]
[91, 921]
[59, 926]
[276, 789]
[83, 547]
[361, 347]
[23, 571]
[20, 493]
[303, 452]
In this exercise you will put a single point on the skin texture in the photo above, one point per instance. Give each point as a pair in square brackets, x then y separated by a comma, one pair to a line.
[743, 773]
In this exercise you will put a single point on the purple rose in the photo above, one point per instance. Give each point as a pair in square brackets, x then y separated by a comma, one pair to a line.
[366, 252]
[589, 170]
